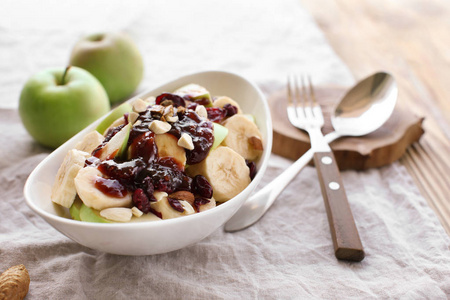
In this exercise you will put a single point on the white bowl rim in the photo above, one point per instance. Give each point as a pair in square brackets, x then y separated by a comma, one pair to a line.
[150, 224]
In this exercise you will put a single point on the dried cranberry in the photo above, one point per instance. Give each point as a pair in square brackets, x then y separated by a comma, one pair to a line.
[148, 188]
[216, 114]
[175, 99]
[156, 213]
[192, 106]
[252, 168]
[141, 201]
[230, 109]
[175, 204]
[202, 187]
[125, 116]
[199, 201]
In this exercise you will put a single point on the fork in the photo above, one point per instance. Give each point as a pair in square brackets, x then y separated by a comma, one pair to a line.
[305, 113]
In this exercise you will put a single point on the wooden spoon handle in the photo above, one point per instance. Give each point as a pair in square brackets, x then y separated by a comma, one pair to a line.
[346, 241]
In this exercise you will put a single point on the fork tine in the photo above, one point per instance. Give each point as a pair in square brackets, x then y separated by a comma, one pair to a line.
[311, 91]
[304, 92]
[289, 90]
[292, 101]
[300, 97]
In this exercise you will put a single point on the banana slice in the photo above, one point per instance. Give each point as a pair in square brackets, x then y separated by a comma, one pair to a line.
[222, 100]
[163, 207]
[90, 141]
[167, 146]
[225, 170]
[207, 206]
[92, 196]
[243, 137]
[64, 191]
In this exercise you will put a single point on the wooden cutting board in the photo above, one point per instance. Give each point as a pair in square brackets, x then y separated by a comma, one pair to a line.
[377, 149]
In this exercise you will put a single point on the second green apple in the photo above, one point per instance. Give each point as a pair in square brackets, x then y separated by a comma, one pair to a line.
[114, 59]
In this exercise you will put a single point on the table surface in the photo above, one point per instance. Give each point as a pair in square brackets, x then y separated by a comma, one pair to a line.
[410, 40]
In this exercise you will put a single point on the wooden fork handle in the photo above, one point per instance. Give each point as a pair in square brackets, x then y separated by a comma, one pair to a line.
[346, 241]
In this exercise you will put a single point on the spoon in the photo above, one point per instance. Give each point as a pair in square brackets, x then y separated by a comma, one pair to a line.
[364, 109]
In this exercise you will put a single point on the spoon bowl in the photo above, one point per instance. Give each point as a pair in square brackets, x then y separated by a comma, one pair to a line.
[367, 106]
[363, 109]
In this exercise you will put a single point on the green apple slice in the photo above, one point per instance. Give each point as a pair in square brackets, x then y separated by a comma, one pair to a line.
[88, 214]
[75, 209]
[220, 133]
[117, 146]
[195, 92]
[124, 147]
[113, 115]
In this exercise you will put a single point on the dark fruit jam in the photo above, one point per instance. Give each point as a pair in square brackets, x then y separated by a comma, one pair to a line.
[201, 132]
[142, 171]
[145, 172]
[110, 187]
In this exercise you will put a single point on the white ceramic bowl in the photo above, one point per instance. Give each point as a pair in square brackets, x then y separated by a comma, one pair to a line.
[146, 238]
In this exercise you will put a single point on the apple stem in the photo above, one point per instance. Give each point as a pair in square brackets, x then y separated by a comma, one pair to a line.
[64, 75]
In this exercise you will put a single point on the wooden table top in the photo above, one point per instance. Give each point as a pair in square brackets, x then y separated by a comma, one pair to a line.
[411, 40]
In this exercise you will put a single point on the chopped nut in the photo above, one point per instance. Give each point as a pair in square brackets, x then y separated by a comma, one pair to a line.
[132, 117]
[160, 127]
[183, 195]
[188, 209]
[167, 103]
[169, 114]
[185, 141]
[139, 105]
[172, 119]
[118, 214]
[137, 123]
[136, 212]
[201, 111]
[159, 195]
[181, 110]
[168, 110]
[157, 109]
[255, 142]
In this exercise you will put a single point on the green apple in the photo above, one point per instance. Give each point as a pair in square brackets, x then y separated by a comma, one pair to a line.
[55, 104]
[88, 214]
[220, 133]
[114, 59]
[196, 93]
[118, 112]
[75, 209]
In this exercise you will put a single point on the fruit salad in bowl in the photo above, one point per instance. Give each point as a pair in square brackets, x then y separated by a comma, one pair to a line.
[161, 171]
[172, 155]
